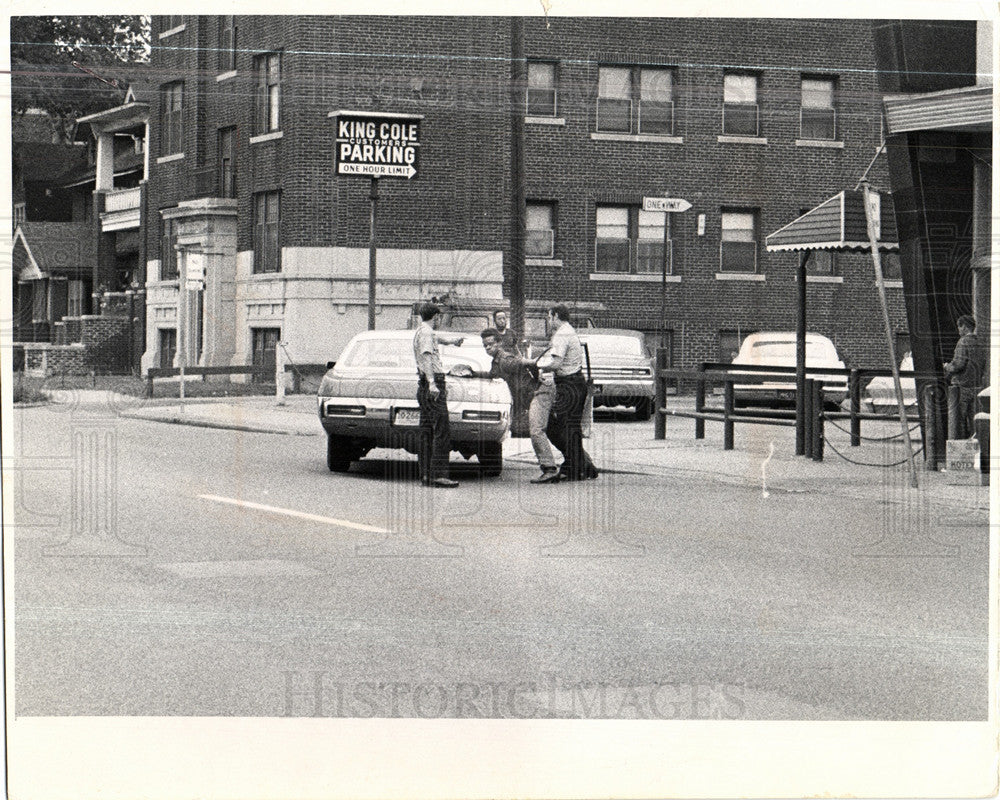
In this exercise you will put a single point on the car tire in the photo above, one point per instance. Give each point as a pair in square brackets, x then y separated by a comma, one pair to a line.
[644, 409]
[338, 453]
[490, 455]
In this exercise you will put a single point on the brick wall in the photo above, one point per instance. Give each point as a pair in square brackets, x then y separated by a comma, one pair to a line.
[455, 71]
[42, 360]
[106, 340]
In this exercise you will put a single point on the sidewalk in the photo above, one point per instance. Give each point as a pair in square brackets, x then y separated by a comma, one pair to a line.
[763, 460]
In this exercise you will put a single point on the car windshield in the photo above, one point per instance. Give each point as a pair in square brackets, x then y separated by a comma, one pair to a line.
[613, 345]
[768, 349]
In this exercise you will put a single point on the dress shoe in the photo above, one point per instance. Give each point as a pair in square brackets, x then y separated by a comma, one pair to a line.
[547, 476]
[444, 483]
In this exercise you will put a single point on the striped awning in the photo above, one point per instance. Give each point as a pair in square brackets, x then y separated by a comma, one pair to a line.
[838, 224]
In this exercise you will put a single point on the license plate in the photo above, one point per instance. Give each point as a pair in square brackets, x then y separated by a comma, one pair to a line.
[406, 416]
[786, 395]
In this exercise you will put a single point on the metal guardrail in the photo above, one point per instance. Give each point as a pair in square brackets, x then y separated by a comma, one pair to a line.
[814, 414]
[260, 374]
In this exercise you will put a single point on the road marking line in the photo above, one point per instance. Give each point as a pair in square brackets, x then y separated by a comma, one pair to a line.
[343, 523]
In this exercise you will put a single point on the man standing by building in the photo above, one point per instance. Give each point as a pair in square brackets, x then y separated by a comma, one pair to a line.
[506, 335]
[968, 370]
[432, 397]
[566, 354]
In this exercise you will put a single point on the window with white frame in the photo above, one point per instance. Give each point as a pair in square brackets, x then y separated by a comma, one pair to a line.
[172, 99]
[267, 116]
[540, 233]
[632, 241]
[20, 214]
[818, 116]
[227, 43]
[740, 111]
[636, 100]
[541, 97]
[738, 248]
[266, 228]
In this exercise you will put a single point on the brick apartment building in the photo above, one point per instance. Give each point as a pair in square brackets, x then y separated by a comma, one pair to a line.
[751, 121]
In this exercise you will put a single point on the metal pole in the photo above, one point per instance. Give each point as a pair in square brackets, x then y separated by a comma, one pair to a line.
[727, 414]
[373, 196]
[182, 297]
[518, 100]
[800, 358]
[855, 390]
[890, 344]
[807, 418]
[817, 421]
[663, 282]
[659, 398]
[699, 404]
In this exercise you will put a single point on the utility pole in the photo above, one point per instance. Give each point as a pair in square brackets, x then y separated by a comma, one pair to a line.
[518, 89]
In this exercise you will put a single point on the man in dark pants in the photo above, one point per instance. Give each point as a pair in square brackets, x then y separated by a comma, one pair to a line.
[432, 396]
[566, 362]
[968, 369]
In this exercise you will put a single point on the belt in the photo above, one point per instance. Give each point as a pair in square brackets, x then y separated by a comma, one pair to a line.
[572, 376]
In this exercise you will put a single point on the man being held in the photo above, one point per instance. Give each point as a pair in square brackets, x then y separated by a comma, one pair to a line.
[566, 353]
[967, 369]
[532, 398]
[432, 396]
[505, 335]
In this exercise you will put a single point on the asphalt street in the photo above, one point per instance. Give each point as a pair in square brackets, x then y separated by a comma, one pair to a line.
[173, 570]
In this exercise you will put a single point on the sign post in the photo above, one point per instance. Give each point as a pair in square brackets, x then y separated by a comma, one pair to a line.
[668, 205]
[375, 145]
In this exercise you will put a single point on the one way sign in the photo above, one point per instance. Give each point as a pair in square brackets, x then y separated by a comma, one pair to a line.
[376, 145]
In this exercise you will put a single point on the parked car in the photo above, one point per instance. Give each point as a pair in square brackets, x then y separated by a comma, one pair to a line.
[368, 400]
[881, 391]
[981, 423]
[777, 349]
[621, 368]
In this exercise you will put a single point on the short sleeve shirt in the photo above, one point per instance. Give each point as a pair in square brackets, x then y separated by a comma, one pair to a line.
[566, 343]
[508, 340]
[971, 354]
[424, 341]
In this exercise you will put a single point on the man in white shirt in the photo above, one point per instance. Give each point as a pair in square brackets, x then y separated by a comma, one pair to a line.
[432, 397]
[566, 363]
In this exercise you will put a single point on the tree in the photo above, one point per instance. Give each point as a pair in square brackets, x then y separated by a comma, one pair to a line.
[74, 66]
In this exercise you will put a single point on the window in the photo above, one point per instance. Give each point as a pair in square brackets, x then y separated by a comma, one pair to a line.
[891, 266]
[738, 247]
[740, 114]
[168, 251]
[820, 262]
[75, 298]
[170, 122]
[266, 220]
[227, 162]
[818, 114]
[635, 100]
[729, 345]
[173, 21]
[630, 240]
[541, 97]
[539, 241]
[267, 98]
[20, 214]
[227, 43]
